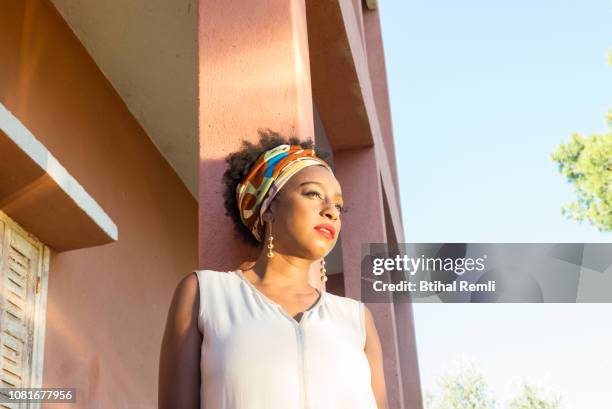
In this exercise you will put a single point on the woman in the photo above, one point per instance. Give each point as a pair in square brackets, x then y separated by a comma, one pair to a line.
[263, 337]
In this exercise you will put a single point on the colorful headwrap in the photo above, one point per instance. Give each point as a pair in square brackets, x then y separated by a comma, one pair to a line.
[266, 177]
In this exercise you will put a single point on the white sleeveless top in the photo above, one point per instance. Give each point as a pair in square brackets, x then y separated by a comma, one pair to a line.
[256, 356]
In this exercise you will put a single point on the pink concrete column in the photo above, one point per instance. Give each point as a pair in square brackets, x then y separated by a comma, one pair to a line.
[411, 382]
[378, 75]
[254, 73]
[358, 6]
[358, 174]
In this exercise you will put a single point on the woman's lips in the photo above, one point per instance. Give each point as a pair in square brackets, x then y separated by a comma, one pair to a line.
[325, 233]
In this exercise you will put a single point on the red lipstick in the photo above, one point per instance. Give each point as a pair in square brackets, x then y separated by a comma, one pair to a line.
[327, 230]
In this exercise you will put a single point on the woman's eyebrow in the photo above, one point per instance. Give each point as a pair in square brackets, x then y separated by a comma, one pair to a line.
[338, 194]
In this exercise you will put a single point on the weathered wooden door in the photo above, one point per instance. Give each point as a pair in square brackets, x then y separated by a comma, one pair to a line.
[22, 262]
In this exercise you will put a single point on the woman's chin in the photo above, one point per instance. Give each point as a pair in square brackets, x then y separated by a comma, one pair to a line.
[320, 248]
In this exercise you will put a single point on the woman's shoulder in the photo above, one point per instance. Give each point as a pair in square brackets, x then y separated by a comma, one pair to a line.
[216, 279]
[207, 274]
[214, 272]
[217, 289]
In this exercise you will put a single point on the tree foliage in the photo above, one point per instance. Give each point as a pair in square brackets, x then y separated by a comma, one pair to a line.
[586, 162]
[461, 388]
[531, 397]
[464, 387]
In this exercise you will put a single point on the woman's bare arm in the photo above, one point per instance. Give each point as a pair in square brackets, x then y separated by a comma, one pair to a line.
[179, 364]
[373, 351]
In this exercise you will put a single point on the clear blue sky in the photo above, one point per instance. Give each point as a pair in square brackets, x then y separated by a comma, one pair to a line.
[481, 94]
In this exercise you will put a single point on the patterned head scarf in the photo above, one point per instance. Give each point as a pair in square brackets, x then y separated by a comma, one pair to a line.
[266, 177]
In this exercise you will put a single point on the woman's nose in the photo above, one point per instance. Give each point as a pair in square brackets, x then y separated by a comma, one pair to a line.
[331, 211]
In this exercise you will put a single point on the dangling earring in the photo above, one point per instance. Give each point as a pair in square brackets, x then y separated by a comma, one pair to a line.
[270, 238]
[323, 276]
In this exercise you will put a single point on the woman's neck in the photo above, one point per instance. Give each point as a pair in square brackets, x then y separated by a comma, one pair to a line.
[279, 271]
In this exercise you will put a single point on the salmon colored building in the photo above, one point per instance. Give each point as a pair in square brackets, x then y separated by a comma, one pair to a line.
[115, 117]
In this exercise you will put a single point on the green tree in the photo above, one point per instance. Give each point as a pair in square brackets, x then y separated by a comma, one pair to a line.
[531, 397]
[461, 388]
[586, 162]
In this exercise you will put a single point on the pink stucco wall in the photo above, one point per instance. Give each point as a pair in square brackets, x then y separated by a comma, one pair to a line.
[107, 305]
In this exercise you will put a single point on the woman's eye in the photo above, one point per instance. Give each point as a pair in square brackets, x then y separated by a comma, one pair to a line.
[312, 192]
[341, 208]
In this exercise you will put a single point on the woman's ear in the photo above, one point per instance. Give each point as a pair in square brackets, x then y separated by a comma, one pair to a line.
[267, 216]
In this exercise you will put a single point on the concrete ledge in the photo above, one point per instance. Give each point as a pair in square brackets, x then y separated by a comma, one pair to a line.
[336, 86]
[38, 193]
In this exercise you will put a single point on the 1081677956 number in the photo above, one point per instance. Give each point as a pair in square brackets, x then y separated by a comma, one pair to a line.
[37, 395]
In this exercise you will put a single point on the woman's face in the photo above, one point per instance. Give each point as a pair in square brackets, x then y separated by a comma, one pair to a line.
[310, 199]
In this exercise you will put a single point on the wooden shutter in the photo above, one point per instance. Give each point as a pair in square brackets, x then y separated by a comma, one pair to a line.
[20, 274]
